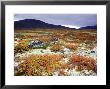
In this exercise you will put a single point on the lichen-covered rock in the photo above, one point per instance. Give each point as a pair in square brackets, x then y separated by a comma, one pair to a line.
[37, 44]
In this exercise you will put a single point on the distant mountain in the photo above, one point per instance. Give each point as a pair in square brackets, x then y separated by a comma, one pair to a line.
[32, 23]
[89, 27]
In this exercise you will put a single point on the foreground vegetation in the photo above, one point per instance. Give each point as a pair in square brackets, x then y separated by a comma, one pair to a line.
[55, 52]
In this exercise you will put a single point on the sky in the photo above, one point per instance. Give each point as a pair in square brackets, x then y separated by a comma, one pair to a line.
[68, 20]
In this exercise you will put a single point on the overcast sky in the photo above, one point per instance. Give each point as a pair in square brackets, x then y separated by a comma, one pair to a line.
[71, 20]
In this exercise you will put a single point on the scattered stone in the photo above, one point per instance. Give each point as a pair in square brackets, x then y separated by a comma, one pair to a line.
[34, 44]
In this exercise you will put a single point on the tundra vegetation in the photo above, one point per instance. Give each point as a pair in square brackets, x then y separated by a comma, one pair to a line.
[55, 52]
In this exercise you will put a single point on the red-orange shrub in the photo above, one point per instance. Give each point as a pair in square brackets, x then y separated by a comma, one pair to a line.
[21, 47]
[71, 46]
[40, 65]
[82, 62]
[56, 47]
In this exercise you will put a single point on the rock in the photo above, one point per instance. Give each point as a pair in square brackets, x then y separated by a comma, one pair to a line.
[72, 72]
[66, 50]
[16, 43]
[65, 60]
[36, 44]
[16, 65]
[54, 39]
[55, 73]
[88, 73]
[92, 51]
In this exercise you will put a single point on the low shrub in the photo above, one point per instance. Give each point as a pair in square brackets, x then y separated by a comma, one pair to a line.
[56, 47]
[21, 47]
[62, 73]
[45, 39]
[72, 46]
[82, 62]
[40, 65]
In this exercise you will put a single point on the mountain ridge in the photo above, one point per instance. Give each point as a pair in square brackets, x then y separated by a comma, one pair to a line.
[89, 27]
[32, 23]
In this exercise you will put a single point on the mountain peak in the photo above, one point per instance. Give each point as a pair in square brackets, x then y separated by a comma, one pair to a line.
[32, 23]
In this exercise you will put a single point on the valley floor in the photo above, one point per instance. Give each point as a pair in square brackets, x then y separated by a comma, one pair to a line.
[55, 52]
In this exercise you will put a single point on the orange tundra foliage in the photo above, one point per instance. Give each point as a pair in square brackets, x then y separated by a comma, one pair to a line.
[39, 64]
[56, 47]
[82, 62]
[62, 73]
[71, 46]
